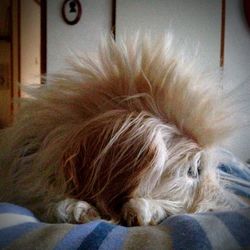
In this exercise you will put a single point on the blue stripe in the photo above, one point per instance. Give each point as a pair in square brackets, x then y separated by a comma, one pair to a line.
[237, 188]
[115, 239]
[11, 208]
[8, 235]
[238, 225]
[74, 238]
[187, 233]
[240, 190]
[235, 171]
[95, 238]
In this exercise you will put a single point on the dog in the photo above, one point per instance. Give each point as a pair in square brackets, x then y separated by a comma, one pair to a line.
[129, 136]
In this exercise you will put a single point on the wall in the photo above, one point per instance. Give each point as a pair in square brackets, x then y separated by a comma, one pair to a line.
[195, 23]
[62, 38]
[237, 70]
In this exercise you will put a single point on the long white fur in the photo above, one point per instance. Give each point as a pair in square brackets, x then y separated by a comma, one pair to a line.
[137, 95]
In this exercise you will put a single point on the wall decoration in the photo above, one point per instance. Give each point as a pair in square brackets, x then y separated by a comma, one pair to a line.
[71, 11]
[4, 76]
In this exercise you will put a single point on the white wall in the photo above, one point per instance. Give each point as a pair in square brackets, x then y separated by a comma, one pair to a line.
[237, 69]
[237, 45]
[84, 36]
[195, 22]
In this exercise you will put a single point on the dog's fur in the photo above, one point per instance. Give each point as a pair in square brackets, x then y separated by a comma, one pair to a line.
[128, 136]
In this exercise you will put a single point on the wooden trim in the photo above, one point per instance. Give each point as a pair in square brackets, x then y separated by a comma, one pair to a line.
[246, 5]
[43, 38]
[11, 62]
[19, 47]
[222, 35]
[5, 38]
[113, 21]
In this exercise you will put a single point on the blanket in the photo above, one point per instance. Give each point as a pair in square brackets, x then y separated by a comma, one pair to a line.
[20, 229]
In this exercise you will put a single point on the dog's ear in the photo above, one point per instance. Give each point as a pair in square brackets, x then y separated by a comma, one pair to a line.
[105, 160]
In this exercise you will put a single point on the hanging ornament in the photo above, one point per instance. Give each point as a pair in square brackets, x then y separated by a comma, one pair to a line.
[71, 11]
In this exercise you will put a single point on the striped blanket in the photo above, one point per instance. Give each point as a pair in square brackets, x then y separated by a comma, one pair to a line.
[19, 229]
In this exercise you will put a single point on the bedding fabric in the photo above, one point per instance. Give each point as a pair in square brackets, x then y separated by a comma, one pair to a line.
[19, 229]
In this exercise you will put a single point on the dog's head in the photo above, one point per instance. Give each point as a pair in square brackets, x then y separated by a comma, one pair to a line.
[136, 121]
[145, 124]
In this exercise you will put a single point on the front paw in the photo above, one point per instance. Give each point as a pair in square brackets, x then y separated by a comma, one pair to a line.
[142, 212]
[75, 211]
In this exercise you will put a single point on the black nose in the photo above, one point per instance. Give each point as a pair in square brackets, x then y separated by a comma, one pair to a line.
[192, 173]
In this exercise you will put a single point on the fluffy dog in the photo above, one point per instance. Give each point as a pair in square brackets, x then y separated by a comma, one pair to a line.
[128, 136]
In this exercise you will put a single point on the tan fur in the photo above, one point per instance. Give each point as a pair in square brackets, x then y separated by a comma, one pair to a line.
[122, 132]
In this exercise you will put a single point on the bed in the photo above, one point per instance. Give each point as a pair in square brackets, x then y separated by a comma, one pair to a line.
[20, 229]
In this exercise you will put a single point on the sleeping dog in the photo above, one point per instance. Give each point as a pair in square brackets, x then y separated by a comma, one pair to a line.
[128, 136]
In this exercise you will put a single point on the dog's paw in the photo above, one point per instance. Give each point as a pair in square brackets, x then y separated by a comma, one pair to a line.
[75, 211]
[142, 212]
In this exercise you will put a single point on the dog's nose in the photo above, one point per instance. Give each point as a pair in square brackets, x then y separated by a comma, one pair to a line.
[192, 173]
